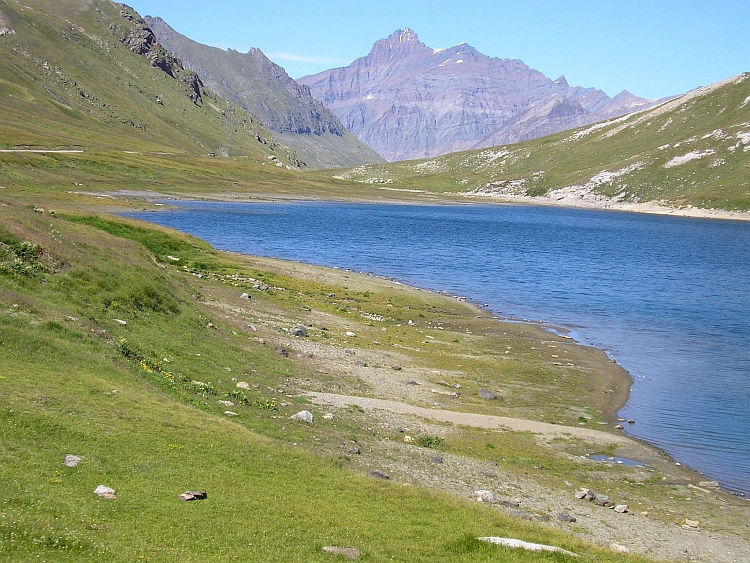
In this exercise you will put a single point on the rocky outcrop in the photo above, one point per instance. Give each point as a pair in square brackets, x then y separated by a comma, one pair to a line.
[140, 38]
[407, 100]
[265, 90]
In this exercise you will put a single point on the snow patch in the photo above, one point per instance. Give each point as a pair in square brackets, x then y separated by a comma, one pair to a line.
[594, 128]
[718, 135]
[692, 155]
[744, 137]
[369, 97]
[436, 51]
[459, 61]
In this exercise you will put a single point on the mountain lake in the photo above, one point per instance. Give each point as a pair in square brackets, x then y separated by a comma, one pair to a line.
[667, 297]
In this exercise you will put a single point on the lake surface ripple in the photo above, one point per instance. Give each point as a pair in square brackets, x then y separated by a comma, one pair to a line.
[668, 297]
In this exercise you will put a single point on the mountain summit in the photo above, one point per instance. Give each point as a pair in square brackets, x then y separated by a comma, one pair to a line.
[406, 100]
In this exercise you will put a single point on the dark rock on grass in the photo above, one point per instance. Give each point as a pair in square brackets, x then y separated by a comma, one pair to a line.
[564, 517]
[298, 331]
[396, 368]
[377, 474]
[193, 495]
[487, 394]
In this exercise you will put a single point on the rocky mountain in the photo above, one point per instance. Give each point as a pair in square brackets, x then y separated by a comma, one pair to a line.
[692, 151]
[407, 100]
[265, 90]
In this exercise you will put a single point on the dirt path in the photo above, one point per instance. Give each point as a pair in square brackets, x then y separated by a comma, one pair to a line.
[469, 419]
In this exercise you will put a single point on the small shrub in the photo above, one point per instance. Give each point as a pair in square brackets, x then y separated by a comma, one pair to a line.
[266, 405]
[237, 396]
[430, 441]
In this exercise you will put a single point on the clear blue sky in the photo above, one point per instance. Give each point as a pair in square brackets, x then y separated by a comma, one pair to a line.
[653, 48]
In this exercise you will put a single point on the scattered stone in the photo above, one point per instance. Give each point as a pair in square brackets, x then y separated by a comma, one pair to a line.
[410, 381]
[485, 496]
[304, 416]
[354, 450]
[226, 403]
[105, 492]
[243, 385]
[350, 333]
[230, 413]
[631, 421]
[284, 352]
[120, 321]
[298, 331]
[328, 416]
[515, 503]
[618, 548]
[348, 552]
[245, 296]
[71, 460]
[691, 525]
[377, 474]
[564, 517]
[193, 495]
[436, 459]
[520, 514]
[601, 500]
[619, 427]
[621, 508]
[396, 368]
[519, 544]
[710, 484]
[487, 394]
[586, 494]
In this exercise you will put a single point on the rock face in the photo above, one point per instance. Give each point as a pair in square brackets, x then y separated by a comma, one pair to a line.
[407, 100]
[265, 90]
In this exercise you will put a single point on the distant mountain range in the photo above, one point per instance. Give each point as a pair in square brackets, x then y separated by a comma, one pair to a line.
[266, 91]
[406, 100]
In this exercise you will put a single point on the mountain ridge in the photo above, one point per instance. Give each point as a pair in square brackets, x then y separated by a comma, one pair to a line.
[407, 100]
[265, 90]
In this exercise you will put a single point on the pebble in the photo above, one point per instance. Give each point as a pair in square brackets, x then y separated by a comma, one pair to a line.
[350, 553]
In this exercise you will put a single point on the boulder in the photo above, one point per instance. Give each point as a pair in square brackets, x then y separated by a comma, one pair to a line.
[298, 331]
[245, 296]
[304, 416]
[230, 413]
[377, 474]
[487, 394]
[564, 517]
[105, 492]
[243, 385]
[621, 508]
[226, 403]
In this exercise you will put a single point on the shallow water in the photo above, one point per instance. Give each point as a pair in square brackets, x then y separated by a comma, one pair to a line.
[666, 296]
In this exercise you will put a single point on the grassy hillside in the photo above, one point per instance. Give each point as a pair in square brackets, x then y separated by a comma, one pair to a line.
[691, 151]
[85, 74]
[117, 353]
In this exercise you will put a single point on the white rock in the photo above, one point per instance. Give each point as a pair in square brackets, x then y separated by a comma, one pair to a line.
[484, 496]
[226, 403]
[327, 416]
[618, 548]
[350, 333]
[230, 413]
[105, 492]
[305, 416]
[520, 544]
[621, 508]
[71, 460]
[243, 385]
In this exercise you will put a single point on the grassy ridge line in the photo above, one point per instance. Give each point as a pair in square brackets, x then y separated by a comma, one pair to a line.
[691, 151]
[64, 287]
[68, 79]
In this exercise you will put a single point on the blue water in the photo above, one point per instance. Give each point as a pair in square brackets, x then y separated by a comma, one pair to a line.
[668, 297]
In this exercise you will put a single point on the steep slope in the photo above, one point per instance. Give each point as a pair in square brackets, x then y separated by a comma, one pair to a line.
[266, 91]
[406, 100]
[91, 75]
[691, 151]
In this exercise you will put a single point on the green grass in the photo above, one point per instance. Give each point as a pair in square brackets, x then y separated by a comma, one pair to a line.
[123, 397]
